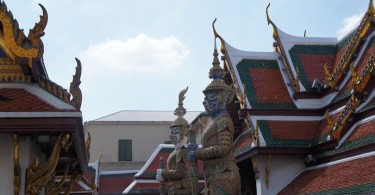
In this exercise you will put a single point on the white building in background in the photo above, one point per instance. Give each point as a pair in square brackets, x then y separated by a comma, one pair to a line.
[126, 139]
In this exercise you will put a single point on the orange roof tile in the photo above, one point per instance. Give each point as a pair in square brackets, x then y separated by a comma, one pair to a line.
[20, 100]
[351, 177]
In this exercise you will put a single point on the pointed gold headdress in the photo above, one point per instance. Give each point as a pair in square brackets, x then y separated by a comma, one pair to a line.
[180, 111]
[217, 85]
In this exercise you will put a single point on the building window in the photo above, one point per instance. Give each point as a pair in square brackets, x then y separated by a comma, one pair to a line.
[125, 151]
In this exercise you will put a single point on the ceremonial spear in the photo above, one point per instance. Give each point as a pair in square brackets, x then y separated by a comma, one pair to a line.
[194, 166]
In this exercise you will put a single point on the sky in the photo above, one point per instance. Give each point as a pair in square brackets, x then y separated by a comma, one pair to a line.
[139, 54]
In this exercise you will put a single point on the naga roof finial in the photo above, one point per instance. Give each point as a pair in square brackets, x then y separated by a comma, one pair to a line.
[38, 31]
[222, 49]
[76, 101]
[269, 21]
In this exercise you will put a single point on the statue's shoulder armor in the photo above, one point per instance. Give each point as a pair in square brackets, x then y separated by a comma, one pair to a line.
[224, 123]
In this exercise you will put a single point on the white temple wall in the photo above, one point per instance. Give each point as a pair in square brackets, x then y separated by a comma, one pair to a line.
[281, 172]
[27, 154]
[6, 165]
[145, 138]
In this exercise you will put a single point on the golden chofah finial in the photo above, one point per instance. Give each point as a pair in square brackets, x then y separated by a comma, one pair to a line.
[222, 49]
[275, 32]
[41, 25]
[38, 31]
[371, 9]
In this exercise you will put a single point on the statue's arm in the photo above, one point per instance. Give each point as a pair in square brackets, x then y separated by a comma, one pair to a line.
[220, 150]
[174, 174]
[179, 172]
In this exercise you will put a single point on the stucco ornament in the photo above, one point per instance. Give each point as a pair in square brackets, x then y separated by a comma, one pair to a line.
[177, 174]
[221, 171]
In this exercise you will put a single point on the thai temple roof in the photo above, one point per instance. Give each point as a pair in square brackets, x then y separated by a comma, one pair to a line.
[25, 85]
[333, 178]
[31, 104]
[311, 96]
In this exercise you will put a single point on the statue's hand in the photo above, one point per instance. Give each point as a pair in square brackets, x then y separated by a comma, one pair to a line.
[159, 177]
[191, 151]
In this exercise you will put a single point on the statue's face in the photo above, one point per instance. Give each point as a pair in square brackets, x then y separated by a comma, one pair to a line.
[174, 135]
[211, 103]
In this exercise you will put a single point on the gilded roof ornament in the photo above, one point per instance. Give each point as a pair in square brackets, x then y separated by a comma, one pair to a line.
[88, 146]
[359, 82]
[38, 31]
[345, 115]
[334, 76]
[76, 101]
[268, 171]
[13, 37]
[39, 174]
[296, 80]
[371, 9]
[255, 136]
[222, 49]
[52, 188]
[328, 119]
[54, 89]
[243, 105]
[243, 98]
[275, 34]
[355, 77]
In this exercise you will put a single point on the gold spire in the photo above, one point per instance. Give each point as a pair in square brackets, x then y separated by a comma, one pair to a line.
[275, 34]
[217, 74]
[222, 49]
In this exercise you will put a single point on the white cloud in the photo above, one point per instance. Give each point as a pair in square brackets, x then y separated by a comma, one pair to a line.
[349, 24]
[141, 54]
